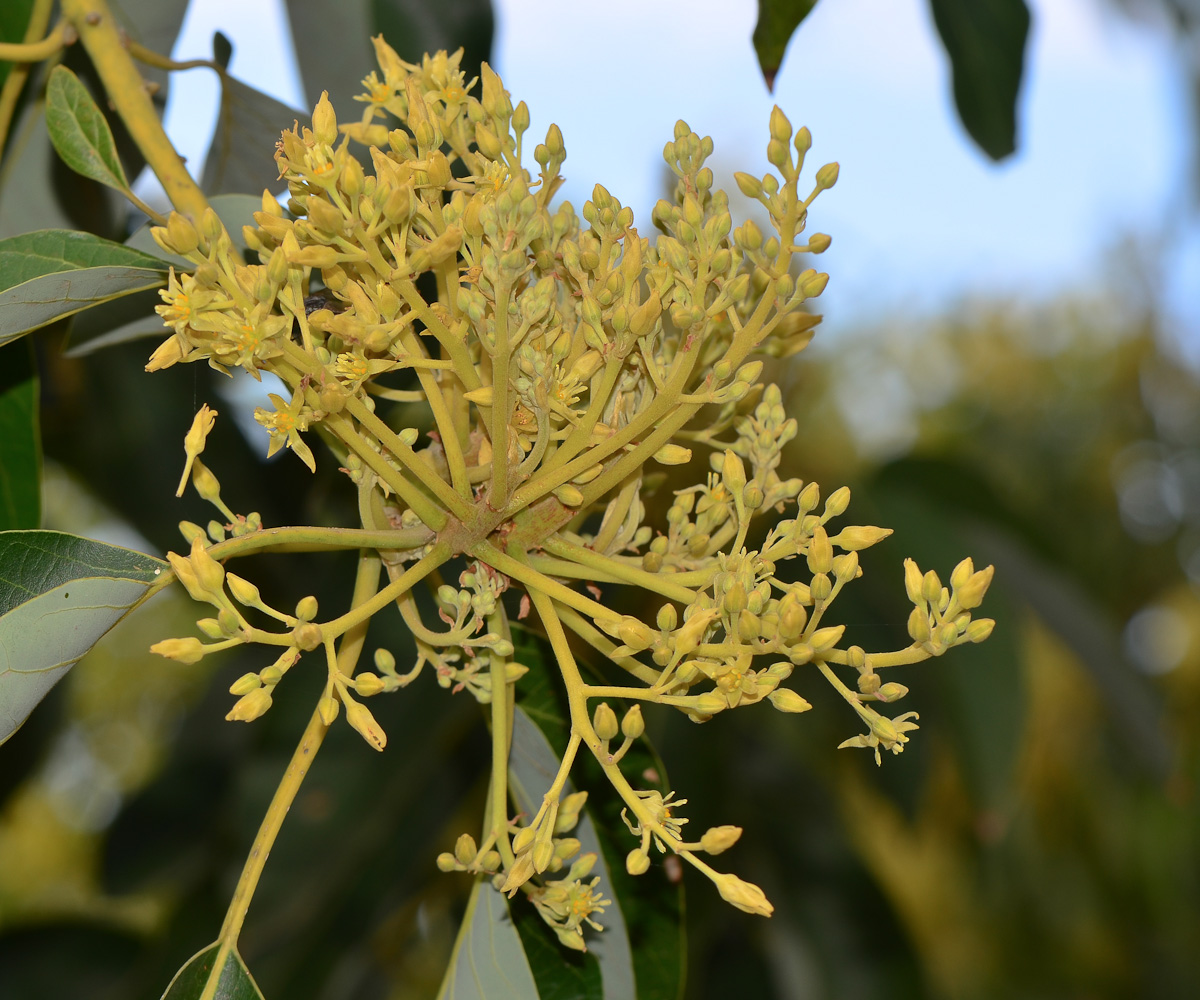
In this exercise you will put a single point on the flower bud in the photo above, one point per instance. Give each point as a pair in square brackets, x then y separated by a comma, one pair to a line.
[360, 717]
[856, 537]
[869, 682]
[446, 862]
[327, 709]
[306, 608]
[931, 588]
[786, 700]
[819, 242]
[745, 896]
[827, 176]
[212, 628]
[891, 691]
[604, 721]
[979, 629]
[385, 662]
[820, 552]
[918, 625]
[523, 839]
[324, 121]
[465, 849]
[710, 703]
[637, 862]
[250, 706]
[912, 581]
[244, 592]
[820, 587]
[673, 454]
[633, 725]
[307, 636]
[811, 287]
[635, 634]
[668, 618]
[543, 854]
[188, 650]
[368, 684]
[970, 594]
[718, 839]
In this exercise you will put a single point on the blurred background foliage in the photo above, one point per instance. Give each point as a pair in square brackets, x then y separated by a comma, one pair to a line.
[1039, 838]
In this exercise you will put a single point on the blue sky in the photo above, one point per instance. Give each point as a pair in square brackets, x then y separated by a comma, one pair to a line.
[920, 219]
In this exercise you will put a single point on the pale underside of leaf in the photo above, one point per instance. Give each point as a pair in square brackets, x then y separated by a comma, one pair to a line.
[489, 961]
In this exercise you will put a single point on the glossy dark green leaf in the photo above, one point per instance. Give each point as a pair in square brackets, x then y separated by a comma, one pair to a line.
[20, 443]
[235, 982]
[241, 158]
[59, 594]
[651, 906]
[985, 40]
[53, 273]
[489, 961]
[79, 131]
[777, 20]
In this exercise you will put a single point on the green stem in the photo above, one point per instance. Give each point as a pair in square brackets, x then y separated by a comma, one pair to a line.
[437, 555]
[598, 562]
[365, 585]
[580, 722]
[500, 383]
[31, 52]
[502, 723]
[101, 37]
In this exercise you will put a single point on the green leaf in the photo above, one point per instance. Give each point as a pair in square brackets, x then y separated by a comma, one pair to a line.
[488, 962]
[80, 132]
[777, 20]
[54, 273]
[59, 594]
[242, 155]
[985, 40]
[20, 442]
[235, 983]
[651, 905]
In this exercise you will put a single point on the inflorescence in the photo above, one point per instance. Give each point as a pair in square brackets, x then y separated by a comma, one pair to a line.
[561, 360]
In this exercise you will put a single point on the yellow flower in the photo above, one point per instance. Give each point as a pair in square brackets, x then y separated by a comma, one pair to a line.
[285, 425]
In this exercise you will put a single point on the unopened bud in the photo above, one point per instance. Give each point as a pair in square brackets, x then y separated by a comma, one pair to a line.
[188, 650]
[637, 862]
[891, 691]
[604, 721]
[718, 839]
[970, 594]
[465, 849]
[979, 629]
[306, 608]
[324, 121]
[827, 176]
[633, 725]
[250, 706]
[786, 700]
[360, 717]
